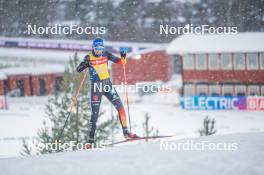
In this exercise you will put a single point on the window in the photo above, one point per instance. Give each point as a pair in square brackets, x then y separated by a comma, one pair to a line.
[188, 61]
[202, 90]
[227, 90]
[226, 61]
[188, 90]
[239, 61]
[20, 86]
[177, 64]
[252, 61]
[201, 62]
[5, 87]
[214, 90]
[253, 90]
[262, 60]
[42, 87]
[241, 90]
[262, 90]
[213, 61]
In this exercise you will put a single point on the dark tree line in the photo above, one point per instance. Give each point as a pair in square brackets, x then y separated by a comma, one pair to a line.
[129, 20]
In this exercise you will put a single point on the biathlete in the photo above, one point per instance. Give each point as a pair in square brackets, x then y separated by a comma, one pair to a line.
[97, 63]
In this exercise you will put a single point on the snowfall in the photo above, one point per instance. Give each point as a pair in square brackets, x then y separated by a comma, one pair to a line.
[24, 117]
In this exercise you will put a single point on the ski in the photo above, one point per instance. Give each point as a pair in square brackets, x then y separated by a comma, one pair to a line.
[135, 139]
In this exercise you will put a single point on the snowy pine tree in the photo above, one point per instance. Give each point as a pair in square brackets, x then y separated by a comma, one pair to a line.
[208, 127]
[148, 130]
[26, 149]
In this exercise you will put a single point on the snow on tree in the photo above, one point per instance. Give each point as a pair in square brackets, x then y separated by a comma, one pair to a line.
[208, 127]
[148, 129]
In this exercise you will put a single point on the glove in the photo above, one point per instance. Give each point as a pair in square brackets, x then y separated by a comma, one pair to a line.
[123, 54]
[87, 63]
[83, 65]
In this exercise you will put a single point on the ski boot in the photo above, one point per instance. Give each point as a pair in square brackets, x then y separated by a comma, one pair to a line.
[128, 135]
[89, 145]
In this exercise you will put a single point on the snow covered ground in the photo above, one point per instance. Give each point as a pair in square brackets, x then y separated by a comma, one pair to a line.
[148, 158]
[22, 119]
[25, 116]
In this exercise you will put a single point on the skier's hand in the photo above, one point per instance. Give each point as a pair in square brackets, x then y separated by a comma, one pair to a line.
[87, 63]
[123, 57]
[123, 54]
[83, 65]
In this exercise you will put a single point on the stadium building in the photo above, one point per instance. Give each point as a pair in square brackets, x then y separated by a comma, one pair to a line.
[221, 65]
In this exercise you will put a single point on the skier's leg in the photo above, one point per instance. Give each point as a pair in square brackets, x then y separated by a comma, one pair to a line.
[114, 98]
[95, 97]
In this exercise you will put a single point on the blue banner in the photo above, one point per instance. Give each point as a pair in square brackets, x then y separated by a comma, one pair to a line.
[214, 103]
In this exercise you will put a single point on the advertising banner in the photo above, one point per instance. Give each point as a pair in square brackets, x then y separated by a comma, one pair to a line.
[255, 103]
[222, 103]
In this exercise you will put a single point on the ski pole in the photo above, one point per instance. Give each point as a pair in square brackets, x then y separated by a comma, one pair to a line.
[126, 96]
[73, 104]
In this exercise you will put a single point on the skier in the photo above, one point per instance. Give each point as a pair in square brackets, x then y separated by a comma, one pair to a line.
[97, 62]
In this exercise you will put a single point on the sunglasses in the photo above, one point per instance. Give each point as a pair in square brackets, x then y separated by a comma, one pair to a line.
[99, 48]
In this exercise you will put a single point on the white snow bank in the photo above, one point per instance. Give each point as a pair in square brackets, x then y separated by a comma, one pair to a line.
[149, 159]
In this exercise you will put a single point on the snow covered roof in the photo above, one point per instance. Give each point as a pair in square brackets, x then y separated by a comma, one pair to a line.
[32, 70]
[85, 42]
[58, 50]
[39, 54]
[221, 43]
